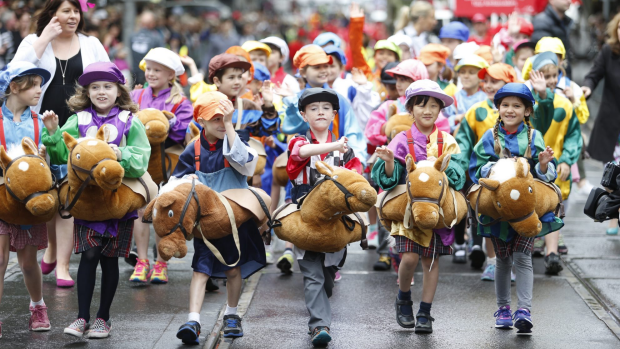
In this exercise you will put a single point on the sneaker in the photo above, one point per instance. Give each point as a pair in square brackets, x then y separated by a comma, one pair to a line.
[586, 188]
[100, 329]
[552, 264]
[141, 271]
[612, 231]
[77, 328]
[539, 247]
[159, 274]
[489, 273]
[338, 277]
[269, 257]
[232, 326]
[38, 319]
[503, 317]
[424, 323]
[383, 264]
[460, 254]
[320, 336]
[513, 277]
[285, 263]
[477, 257]
[189, 333]
[523, 322]
[373, 240]
[562, 248]
[132, 259]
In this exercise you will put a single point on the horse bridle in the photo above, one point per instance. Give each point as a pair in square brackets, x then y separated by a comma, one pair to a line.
[437, 201]
[166, 171]
[515, 220]
[192, 195]
[33, 195]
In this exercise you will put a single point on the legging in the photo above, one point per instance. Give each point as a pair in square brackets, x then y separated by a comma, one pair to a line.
[87, 273]
[525, 280]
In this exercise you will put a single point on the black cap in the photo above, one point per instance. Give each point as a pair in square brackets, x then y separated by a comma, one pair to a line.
[387, 78]
[317, 94]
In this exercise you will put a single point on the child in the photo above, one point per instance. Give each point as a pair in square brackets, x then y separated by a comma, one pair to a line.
[405, 43]
[471, 93]
[452, 35]
[434, 57]
[20, 84]
[101, 98]
[424, 101]
[259, 52]
[318, 107]
[388, 90]
[513, 132]
[163, 93]
[261, 74]
[276, 61]
[220, 160]
[523, 50]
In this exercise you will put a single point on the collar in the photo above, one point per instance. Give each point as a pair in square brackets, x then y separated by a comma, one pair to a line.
[556, 17]
[7, 113]
[211, 146]
[490, 104]
[325, 85]
[506, 132]
[161, 93]
[280, 73]
[428, 138]
[113, 112]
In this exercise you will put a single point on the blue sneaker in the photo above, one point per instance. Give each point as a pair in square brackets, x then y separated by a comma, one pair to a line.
[189, 333]
[523, 322]
[321, 336]
[503, 317]
[232, 326]
[489, 273]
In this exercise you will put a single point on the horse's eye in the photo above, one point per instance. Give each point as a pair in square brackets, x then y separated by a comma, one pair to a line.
[440, 182]
[170, 213]
[42, 164]
[499, 205]
[154, 212]
[78, 156]
[8, 180]
[530, 189]
[335, 177]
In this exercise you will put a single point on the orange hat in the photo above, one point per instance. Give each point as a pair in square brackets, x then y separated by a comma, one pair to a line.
[208, 105]
[311, 55]
[500, 71]
[432, 53]
[240, 52]
[484, 51]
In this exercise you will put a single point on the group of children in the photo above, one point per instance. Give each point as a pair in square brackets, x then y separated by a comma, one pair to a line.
[322, 114]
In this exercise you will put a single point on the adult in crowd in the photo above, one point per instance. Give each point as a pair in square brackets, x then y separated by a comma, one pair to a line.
[142, 41]
[421, 23]
[554, 22]
[60, 47]
[225, 37]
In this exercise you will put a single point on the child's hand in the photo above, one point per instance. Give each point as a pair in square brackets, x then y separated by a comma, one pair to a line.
[563, 171]
[538, 83]
[50, 120]
[545, 156]
[267, 94]
[187, 60]
[355, 11]
[228, 110]
[569, 94]
[358, 77]
[342, 145]
[116, 151]
[270, 142]
[385, 154]
[42, 151]
[282, 91]
[138, 87]
[458, 117]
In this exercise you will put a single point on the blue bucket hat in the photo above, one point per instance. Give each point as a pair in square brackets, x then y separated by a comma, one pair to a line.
[21, 68]
[261, 73]
[332, 50]
[513, 89]
[544, 58]
[327, 37]
[454, 30]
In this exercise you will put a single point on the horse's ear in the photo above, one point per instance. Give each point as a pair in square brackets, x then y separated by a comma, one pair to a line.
[148, 211]
[442, 163]
[166, 200]
[69, 140]
[29, 147]
[168, 114]
[324, 168]
[194, 131]
[490, 184]
[409, 163]
[103, 133]
[4, 159]
[523, 167]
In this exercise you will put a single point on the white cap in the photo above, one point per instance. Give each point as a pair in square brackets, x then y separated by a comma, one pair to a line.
[400, 39]
[464, 49]
[281, 44]
[166, 58]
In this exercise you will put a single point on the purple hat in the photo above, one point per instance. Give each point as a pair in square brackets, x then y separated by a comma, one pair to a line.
[428, 88]
[101, 71]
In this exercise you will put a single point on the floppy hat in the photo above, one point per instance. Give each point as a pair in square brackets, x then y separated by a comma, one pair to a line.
[166, 58]
[208, 105]
[17, 69]
[434, 53]
[327, 37]
[336, 51]
[428, 88]
[464, 49]
[101, 71]
[311, 55]
[280, 44]
[515, 89]
[499, 71]
[261, 73]
[388, 45]
[554, 45]
[454, 30]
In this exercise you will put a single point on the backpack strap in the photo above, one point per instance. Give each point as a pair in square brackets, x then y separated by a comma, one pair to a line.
[197, 155]
[439, 143]
[410, 144]
[2, 139]
[35, 121]
[176, 106]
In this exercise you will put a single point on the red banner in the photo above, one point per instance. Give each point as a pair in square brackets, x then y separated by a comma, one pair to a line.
[468, 8]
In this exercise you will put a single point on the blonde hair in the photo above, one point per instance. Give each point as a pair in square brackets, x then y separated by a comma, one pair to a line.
[176, 93]
[402, 18]
[420, 9]
[80, 100]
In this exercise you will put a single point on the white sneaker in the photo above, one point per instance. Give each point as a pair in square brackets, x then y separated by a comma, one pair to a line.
[77, 328]
[269, 258]
[373, 240]
[586, 188]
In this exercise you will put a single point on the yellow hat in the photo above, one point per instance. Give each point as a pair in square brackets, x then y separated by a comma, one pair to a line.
[527, 68]
[472, 60]
[550, 44]
[255, 45]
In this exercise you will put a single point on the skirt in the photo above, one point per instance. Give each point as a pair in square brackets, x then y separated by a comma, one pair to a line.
[113, 246]
[519, 243]
[20, 238]
[436, 247]
[253, 257]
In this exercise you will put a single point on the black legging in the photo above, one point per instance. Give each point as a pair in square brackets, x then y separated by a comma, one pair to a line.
[87, 273]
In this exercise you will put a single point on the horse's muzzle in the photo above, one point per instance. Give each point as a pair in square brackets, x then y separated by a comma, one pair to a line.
[109, 174]
[41, 205]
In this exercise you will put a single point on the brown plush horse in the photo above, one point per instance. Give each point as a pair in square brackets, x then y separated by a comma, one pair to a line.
[512, 195]
[27, 191]
[319, 224]
[205, 215]
[163, 160]
[95, 188]
[397, 122]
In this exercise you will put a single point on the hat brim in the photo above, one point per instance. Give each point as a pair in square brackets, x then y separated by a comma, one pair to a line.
[44, 74]
[217, 111]
[389, 82]
[238, 64]
[319, 61]
[90, 77]
[529, 44]
[447, 100]
[320, 97]
[501, 95]
[178, 72]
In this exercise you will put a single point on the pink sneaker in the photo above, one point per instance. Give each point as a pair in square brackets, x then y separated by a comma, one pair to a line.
[38, 319]
[338, 277]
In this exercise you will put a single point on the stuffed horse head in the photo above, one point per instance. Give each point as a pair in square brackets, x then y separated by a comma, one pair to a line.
[397, 124]
[428, 188]
[96, 156]
[28, 175]
[156, 124]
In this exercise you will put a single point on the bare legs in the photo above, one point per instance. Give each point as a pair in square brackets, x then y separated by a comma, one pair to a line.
[431, 276]
[60, 245]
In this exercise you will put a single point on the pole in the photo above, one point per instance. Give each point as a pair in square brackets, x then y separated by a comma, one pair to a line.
[129, 22]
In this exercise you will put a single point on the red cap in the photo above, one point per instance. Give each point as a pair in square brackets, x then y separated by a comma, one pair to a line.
[479, 18]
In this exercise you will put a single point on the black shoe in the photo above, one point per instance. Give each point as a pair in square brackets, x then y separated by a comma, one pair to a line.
[405, 321]
[133, 257]
[211, 286]
[285, 263]
[477, 257]
[424, 323]
[189, 333]
[383, 264]
[552, 264]
[321, 337]
[155, 251]
[232, 326]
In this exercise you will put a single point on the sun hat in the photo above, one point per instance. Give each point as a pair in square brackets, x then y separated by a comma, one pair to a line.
[428, 88]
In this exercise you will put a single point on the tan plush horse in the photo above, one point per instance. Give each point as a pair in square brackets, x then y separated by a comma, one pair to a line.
[205, 215]
[95, 188]
[163, 160]
[512, 195]
[326, 220]
[397, 122]
[27, 191]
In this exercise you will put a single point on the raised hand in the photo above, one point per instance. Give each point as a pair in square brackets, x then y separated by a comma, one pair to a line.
[228, 110]
[358, 77]
[267, 94]
[282, 91]
[546, 156]
[52, 29]
[355, 11]
[539, 83]
[385, 154]
[50, 120]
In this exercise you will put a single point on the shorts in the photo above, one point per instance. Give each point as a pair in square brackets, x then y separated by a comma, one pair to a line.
[436, 247]
[113, 246]
[20, 238]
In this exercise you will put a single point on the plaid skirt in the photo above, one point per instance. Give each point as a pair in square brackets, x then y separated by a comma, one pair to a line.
[519, 243]
[113, 246]
[436, 247]
[20, 238]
